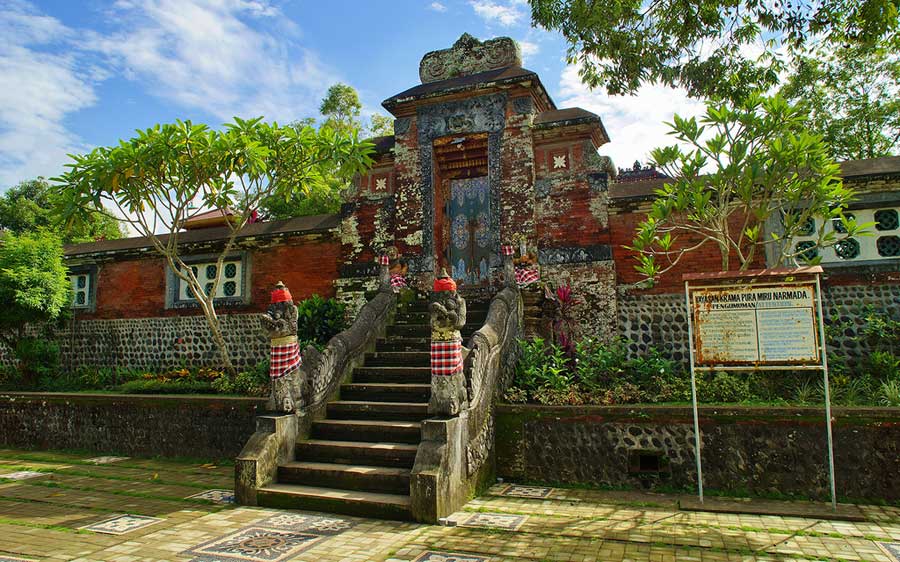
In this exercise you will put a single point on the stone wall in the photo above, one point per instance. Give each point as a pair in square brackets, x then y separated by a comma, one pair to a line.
[660, 321]
[159, 343]
[209, 428]
[759, 451]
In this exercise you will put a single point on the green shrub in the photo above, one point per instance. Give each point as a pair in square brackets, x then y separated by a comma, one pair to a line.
[598, 364]
[319, 320]
[37, 359]
[158, 386]
[883, 365]
[247, 383]
[725, 387]
[890, 394]
[542, 365]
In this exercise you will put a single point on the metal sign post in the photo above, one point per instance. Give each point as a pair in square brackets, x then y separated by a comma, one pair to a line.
[757, 320]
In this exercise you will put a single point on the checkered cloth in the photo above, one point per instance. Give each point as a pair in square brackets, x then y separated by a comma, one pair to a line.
[526, 276]
[284, 360]
[446, 357]
[398, 281]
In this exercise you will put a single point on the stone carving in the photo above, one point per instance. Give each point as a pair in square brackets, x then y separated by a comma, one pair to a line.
[469, 56]
[401, 126]
[448, 381]
[280, 322]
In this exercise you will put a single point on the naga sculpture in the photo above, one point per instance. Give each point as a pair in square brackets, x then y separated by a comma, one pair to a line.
[448, 381]
[280, 321]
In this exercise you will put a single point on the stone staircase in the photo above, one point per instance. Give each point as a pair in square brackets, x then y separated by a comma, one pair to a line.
[358, 459]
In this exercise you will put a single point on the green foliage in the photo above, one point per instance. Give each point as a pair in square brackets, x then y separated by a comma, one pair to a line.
[320, 319]
[381, 125]
[341, 108]
[34, 283]
[706, 47]
[597, 365]
[169, 173]
[323, 201]
[29, 206]
[157, 386]
[726, 387]
[890, 393]
[37, 358]
[765, 165]
[542, 365]
[851, 94]
[254, 382]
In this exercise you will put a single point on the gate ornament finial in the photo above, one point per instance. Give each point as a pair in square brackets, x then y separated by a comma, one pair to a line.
[469, 56]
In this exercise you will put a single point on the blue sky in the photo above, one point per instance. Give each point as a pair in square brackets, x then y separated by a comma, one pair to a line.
[82, 73]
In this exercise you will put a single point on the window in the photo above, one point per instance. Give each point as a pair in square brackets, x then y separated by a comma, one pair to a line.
[884, 242]
[231, 284]
[81, 289]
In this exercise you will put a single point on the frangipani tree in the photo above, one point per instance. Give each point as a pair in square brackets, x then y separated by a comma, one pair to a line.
[170, 173]
[765, 169]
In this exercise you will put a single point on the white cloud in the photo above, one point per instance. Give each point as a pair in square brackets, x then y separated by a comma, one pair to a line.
[211, 55]
[40, 90]
[635, 123]
[506, 13]
[437, 7]
[528, 49]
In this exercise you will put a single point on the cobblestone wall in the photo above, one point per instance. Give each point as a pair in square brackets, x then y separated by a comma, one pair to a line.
[660, 321]
[160, 343]
[176, 426]
[745, 450]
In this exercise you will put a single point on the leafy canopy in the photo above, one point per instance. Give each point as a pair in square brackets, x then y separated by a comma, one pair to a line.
[853, 97]
[29, 206]
[766, 169]
[170, 173]
[706, 46]
[34, 282]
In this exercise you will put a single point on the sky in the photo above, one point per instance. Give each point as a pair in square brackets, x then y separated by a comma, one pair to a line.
[77, 74]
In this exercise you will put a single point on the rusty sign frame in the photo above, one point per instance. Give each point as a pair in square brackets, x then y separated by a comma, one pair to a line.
[811, 276]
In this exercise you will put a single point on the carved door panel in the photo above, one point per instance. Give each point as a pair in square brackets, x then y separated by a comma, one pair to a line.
[470, 238]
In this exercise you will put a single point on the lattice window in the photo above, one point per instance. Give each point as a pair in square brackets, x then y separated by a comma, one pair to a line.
[81, 290]
[230, 282]
[884, 243]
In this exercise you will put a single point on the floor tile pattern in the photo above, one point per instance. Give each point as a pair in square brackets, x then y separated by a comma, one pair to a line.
[315, 524]
[121, 524]
[892, 549]
[495, 520]
[526, 491]
[255, 544]
[22, 475]
[218, 496]
[106, 460]
[449, 557]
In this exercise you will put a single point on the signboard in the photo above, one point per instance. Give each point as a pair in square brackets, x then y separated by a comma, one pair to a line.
[757, 325]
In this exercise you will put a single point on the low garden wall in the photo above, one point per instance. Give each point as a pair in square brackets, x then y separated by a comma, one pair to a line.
[132, 425]
[746, 450]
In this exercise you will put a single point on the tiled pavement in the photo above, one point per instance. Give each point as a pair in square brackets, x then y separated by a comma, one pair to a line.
[73, 509]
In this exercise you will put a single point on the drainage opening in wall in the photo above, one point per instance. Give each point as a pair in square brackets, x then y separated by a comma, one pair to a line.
[648, 466]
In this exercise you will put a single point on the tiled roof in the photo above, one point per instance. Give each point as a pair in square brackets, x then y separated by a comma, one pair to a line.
[295, 225]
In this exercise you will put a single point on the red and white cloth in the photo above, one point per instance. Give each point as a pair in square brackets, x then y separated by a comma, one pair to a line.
[284, 359]
[446, 357]
[526, 276]
[398, 281]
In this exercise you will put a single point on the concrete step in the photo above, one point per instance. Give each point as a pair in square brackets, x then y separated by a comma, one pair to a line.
[386, 392]
[403, 344]
[361, 504]
[401, 455]
[398, 359]
[367, 410]
[424, 330]
[368, 430]
[409, 375]
[361, 478]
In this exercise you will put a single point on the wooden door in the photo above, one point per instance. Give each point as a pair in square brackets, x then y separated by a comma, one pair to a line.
[470, 238]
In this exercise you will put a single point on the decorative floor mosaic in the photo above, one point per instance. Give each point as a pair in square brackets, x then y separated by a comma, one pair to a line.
[22, 475]
[10, 559]
[218, 496]
[495, 521]
[106, 460]
[891, 549]
[254, 544]
[121, 524]
[526, 491]
[307, 523]
[448, 557]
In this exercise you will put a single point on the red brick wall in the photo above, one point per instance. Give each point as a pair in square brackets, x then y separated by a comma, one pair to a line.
[137, 288]
[624, 220]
